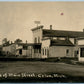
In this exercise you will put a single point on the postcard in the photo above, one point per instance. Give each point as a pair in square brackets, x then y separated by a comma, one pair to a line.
[41, 42]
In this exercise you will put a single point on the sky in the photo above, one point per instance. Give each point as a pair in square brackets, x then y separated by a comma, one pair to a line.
[17, 18]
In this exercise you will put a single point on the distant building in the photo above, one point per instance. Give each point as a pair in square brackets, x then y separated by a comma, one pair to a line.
[9, 49]
[28, 50]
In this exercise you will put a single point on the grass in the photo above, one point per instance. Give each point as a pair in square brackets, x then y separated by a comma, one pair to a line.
[64, 66]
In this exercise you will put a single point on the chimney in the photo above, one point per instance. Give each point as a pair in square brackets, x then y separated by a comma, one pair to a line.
[50, 27]
[83, 30]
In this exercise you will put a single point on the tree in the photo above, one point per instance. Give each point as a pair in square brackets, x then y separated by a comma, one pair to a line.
[18, 40]
[5, 42]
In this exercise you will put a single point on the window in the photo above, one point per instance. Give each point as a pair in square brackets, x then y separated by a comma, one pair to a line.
[43, 51]
[39, 50]
[67, 51]
[38, 39]
[77, 52]
[35, 51]
[81, 52]
[35, 40]
[20, 51]
[47, 52]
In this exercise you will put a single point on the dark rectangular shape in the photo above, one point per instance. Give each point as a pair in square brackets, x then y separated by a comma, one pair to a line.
[62, 33]
[82, 52]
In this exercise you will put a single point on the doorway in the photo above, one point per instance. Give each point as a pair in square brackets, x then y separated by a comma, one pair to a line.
[81, 52]
[20, 51]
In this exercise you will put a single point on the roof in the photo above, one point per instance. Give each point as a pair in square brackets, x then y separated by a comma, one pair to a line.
[25, 45]
[80, 38]
[28, 44]
[39, 27]
[5, 45]
[61, 43]
[62, 33]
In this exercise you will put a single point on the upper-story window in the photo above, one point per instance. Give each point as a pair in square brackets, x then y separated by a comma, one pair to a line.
[38, 39]
[67, 51]
[35, 40]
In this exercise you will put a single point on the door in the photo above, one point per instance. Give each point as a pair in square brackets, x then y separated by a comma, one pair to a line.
[81, 52]
[20, 51]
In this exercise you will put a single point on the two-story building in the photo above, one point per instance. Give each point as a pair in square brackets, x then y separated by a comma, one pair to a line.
[56, 43]
[49, 43]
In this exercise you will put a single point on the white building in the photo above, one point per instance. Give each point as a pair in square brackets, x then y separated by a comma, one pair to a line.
[27, 50]
[81, 49]
[57, 43]
[48, 43]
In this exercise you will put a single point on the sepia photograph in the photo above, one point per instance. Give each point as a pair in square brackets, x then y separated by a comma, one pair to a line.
[41, 42]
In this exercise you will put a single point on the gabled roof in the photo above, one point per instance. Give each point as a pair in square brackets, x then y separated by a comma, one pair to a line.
[62, 33]
[61, 43]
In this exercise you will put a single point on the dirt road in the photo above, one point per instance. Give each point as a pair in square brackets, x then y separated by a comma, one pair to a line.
[41, 67]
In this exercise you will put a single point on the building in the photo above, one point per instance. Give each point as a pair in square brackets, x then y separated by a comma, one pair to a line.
[27, 50]
[49, 43]
[81, 49]
[57, 43]
[9, 49]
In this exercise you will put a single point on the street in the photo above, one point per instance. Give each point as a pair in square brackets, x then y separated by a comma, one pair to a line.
[41, 67]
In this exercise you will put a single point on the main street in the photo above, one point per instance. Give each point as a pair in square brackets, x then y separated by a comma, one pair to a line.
[41, 67]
